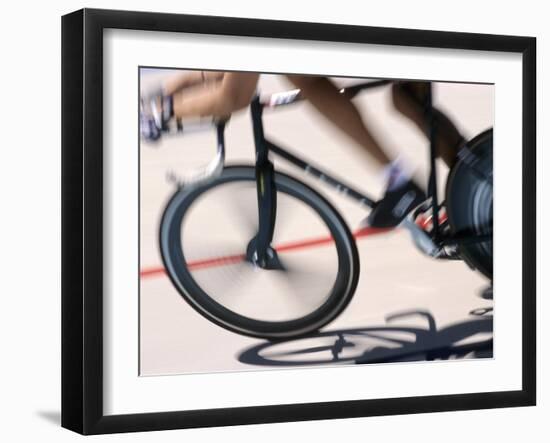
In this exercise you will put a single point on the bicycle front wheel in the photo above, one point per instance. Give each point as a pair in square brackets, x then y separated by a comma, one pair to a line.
[204, 235]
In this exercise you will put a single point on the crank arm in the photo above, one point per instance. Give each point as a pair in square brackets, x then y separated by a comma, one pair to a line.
[421, 238]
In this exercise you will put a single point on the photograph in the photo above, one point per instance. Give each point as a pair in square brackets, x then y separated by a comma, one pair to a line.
[277, 221]
[286, 221]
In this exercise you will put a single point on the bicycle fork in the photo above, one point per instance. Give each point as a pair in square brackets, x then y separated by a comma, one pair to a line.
[259, 250]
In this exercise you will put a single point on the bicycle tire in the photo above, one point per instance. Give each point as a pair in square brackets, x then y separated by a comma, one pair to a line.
[177, 267]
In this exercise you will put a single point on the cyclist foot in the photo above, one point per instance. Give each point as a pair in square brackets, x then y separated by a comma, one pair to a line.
[396, 204]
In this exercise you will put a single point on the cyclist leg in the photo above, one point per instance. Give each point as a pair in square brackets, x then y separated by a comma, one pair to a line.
[339, 110]
[402, 194]
[409, 99]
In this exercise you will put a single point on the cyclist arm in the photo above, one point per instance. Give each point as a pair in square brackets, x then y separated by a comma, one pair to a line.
[233, 92]
[186, 80]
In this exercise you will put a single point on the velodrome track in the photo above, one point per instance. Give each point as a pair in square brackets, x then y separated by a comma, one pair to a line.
[406, 307]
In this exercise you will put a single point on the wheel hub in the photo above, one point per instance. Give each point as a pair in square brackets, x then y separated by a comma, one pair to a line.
[268, 260]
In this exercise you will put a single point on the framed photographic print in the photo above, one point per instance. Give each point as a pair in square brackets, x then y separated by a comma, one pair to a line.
[270, 221]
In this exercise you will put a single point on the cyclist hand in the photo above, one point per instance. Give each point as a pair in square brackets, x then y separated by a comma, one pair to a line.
[154, 114]
[148, 128]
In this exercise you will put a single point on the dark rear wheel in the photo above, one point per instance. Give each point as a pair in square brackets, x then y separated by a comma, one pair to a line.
[470, 202]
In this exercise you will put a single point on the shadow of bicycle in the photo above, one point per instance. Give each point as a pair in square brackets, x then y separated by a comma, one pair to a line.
[382, 344]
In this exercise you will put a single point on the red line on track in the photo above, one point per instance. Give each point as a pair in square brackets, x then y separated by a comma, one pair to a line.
[231, 259]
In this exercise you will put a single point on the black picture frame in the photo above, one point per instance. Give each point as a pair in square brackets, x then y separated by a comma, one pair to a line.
[82, 220]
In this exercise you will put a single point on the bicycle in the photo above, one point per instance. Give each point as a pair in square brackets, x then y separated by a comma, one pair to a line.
[266, 259]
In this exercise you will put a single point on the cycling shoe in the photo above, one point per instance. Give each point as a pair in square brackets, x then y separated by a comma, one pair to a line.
[395, 205]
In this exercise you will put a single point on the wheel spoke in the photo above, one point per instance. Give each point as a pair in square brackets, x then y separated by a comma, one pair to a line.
[307, 284]
[225, 284]
[242, 207]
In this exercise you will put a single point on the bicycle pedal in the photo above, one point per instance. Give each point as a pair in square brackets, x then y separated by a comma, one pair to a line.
[449, 252]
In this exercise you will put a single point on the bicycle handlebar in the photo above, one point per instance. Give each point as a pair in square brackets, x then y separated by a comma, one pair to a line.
[213, 168]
